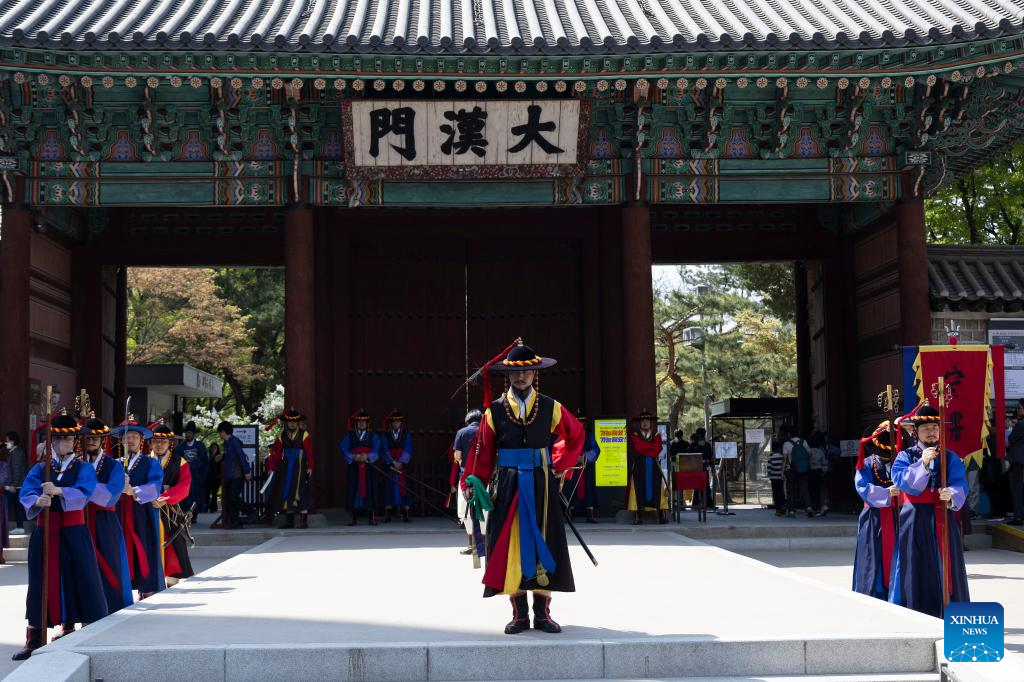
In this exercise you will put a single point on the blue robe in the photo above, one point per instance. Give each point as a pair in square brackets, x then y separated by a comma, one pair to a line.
[396, 451]
[584, 493]
[917, 565]
[872, 559]
[105, 526]
[361, 482]
[80, 597]
[142, 536]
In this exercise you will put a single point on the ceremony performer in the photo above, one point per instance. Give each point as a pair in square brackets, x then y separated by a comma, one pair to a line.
[139, 518]
[291, 462]
[646, 487]
[177, 482]
[396, 453]
[73, 586]
[102, 519]
[526, 547]
[876, 527]
[360, 448]
[928, 518]
[582, 485]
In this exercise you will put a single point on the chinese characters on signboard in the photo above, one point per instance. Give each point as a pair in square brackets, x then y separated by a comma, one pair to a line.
[611, 466]
[486, 135]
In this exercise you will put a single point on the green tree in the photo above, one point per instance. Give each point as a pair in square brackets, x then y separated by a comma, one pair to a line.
[986, 206]
[773, 282]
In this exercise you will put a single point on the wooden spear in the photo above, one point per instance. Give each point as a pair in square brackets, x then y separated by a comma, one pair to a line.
[47, 469]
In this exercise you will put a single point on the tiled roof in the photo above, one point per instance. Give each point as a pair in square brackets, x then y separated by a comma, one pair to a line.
[499, 26]
[976, 277]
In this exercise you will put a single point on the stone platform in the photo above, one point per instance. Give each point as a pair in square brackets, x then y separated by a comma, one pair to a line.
[407, 606]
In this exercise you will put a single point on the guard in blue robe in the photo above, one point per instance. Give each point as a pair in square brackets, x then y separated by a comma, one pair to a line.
[361, 448]
[396, 453]
[74, 589]
[581, 486]
[928, 513]
[101, 516]
[876, 527]
[140, 520]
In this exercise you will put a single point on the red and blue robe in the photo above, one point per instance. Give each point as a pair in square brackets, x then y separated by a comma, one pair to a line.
[105, 526]
[74, 588]
[396, 448]
[876, 529]
[140, 521]
[584, 492]
[177, 482]
[916, 580]
[519, 448]
[361, 482]
[646, 488]
[290, 460]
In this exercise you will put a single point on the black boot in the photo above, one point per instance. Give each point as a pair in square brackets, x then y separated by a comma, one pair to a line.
[591, 515]
[542, 614]
[289, 520]
[637, 520]
[387, 514]
[520, 615]
[304, 520]
[34, 640]
[405, 515]
[662, 516]
[352, 522]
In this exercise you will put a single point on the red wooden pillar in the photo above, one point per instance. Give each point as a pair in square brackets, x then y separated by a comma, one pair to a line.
[121, 344]
[15, 253]
[803, 348]
[915, 310]
[638, 308]
[300, 306]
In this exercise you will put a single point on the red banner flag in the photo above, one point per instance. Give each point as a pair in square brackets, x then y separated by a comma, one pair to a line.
[967, 371]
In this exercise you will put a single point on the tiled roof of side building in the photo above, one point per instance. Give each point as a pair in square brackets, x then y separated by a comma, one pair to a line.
[976, 277]
[500, 26]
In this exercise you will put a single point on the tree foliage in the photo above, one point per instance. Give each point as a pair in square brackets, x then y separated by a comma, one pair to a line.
[772, 281]
[986, 206]
[748, 350]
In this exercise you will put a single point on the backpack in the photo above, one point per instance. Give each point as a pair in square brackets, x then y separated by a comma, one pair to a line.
[799, 460]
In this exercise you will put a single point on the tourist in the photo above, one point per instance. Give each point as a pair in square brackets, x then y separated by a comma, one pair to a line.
[581, 482]
[775, 476]
[360, 448]
[646, 488]
[102, 519]
[177, 483]
[140, 520]
[917, 566]
[17, 464]
[700, 444]
[4, 540]
[464, 440]
[876, 526]
[396, 453]
[79, 595]
[797, 464]
[193, 451]
[213, 477]
[818, 465]
[291, 465]
[1015, 456]
[236, 469]
[527, 550]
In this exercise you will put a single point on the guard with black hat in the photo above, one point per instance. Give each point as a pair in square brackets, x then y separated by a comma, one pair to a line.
[177, 482]
[291, 466]
[74, 592]
[361, 449]
[396, 453]
[876, 527]
[927, 520]
[526, 547]
[194, 452]
[140, 520]
[646, 488]
[101, 515]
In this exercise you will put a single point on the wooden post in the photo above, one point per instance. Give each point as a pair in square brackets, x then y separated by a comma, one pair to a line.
[638, 308]
[300, 306]
[912, 255]
[803, 349]
[15, 254]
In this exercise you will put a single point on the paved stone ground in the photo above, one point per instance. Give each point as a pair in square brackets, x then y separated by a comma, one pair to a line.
[992, 574]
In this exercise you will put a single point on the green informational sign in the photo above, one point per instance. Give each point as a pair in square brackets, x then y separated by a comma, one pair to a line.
[610, 467]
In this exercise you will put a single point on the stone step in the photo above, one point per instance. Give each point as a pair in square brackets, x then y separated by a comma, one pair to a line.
[912, 677]
[1005, 536]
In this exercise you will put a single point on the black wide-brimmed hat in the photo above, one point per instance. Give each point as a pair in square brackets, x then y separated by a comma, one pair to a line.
[926, 415]
[292, 415]
[644, 414]
[521, 358]
[358, 416]
[877, 441]
[64, 425]
[94, 427]
[163, 432]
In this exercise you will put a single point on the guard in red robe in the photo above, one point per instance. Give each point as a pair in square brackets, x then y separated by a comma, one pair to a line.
[291, 464]
[526, 547]
[173, 524]
[396, 454]
[646, 487]
[140, 519]
[361, 448]
[876, 527]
